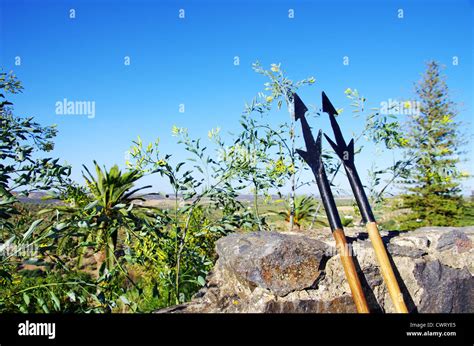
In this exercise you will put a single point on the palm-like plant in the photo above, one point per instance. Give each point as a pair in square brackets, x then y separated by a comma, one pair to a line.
[113, 195]
[96, 215]
[304, 209]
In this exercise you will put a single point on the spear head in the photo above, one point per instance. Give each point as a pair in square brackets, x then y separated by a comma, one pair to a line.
[313, 156]
[314, 160]
[300, 107]
[312, 153]
[343, 150]
[346, 154]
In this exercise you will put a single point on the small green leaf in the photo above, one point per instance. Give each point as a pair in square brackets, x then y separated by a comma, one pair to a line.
[57, 304]
[42, 304]
[91, 205]
[26, 298]
[32, 228]
[201, 281]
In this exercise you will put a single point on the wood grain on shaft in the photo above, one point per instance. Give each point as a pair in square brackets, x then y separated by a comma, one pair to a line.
[350, 270]
[386, 268]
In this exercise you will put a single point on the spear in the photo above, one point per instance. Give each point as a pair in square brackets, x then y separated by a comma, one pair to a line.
[346, 154]
[312, 156]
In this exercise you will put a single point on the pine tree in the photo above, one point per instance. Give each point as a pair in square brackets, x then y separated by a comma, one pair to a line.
[434, 140]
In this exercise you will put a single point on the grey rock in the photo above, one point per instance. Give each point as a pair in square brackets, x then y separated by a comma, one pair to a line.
[445, 290]
[405, 251]
[279, 262]
[454, 238]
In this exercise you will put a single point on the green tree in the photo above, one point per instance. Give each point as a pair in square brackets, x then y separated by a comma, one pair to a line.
[21, 140]
[288, 165]
[434, 139]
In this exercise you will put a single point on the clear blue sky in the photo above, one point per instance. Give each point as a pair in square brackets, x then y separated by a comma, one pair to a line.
[190, 61]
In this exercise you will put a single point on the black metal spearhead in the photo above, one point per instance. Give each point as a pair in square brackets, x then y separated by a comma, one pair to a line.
[300, 111]
[313, 158]
[346, 154]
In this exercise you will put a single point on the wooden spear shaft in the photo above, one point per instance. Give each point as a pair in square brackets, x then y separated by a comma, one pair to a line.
[350, 270]
[386, 268]
[381, 254]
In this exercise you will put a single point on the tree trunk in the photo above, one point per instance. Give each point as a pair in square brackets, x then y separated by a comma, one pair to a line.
[293, 173]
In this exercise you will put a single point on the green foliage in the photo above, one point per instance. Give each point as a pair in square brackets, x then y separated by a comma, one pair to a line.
[281, 88]
[434, 139]
[249, 159]
[21, 139]
[265, 141]
[48, 291]
[73, 195]
[467, 214]
[378, 128]
[304, 209]
[181, 247]
[385, 131]
[113, 206]
[346, 220]
[95, 218]
[36, 292]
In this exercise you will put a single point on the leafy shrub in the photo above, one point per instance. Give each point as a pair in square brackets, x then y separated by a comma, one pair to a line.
[304, 210]
[35, 291]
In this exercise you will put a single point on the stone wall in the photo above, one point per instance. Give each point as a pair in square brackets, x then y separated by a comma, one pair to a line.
[274, 272]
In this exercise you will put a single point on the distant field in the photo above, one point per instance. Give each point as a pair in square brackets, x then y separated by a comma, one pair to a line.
[271, 209]
[386, 215]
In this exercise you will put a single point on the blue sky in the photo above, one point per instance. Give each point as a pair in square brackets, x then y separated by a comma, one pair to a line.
[191, 61]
